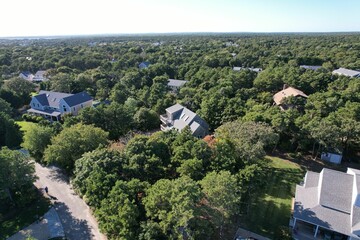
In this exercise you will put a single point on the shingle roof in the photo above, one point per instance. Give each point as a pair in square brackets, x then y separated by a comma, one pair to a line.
[347, 72]
[328, 202]
[176, 83]
[175, 108]
[290, 91]
[336, 190]
[26, 73]
[185, 117]
[77, 98]
[42, 99]
[53, 98]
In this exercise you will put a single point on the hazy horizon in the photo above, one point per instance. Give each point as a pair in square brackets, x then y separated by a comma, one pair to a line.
[41, 18]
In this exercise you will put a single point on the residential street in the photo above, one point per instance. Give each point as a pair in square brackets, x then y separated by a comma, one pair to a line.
[75, 215]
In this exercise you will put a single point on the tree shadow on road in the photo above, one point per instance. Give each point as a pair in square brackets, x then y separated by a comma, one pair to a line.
[57, 174]
[73, 228]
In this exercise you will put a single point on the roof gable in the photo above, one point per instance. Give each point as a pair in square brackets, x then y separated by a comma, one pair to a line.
[42, 99]
[290, 91]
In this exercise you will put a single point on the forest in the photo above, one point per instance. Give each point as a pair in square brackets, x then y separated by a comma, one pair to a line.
[142, 183]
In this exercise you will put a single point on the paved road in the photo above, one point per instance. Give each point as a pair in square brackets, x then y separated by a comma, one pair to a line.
[74, 214]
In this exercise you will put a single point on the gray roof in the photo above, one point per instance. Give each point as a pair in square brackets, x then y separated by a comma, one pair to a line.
[311, 67]
[175, 108]
[77, 98]
[336, 190]
[249, 68]
[347, 72]
[176, 83]
[311, 179]
[183, 117]
[326, 200]
[53, 98]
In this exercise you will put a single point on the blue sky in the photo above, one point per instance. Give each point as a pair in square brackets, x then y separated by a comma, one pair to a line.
[69, 17]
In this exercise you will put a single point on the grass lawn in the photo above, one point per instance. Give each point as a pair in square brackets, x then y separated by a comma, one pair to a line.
[271, 210]
[21, 218]
[24, 126]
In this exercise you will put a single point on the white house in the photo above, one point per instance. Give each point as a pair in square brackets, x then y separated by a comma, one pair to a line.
[53, 105]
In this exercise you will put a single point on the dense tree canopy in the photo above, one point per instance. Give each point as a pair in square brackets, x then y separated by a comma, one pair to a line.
[72, 142]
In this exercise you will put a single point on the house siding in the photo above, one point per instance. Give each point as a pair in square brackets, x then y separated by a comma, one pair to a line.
[35, 104]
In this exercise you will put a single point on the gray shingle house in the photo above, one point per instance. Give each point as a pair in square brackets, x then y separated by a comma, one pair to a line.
[178, 117]
[40, 76]
[328, 204]
[346, 72]
[52, 105]
[175, 84]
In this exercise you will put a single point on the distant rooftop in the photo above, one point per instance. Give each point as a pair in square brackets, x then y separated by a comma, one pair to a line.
[347, 72]
[176, 83]
[290, 91]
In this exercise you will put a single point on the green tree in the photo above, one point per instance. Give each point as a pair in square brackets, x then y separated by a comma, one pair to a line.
[173, 203]
[146, 119]
[222, 194]
[21, 88]
[10, 134]
[120, 213]
[250, 138]
[17, 174]
[5, 107]
[36, 139]
[72, 142]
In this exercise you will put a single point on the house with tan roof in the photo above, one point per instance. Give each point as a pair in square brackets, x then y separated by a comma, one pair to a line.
[327, 205]
[285, 93]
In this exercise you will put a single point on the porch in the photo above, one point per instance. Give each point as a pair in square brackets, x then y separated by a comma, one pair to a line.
[302, 230]
[50, 115]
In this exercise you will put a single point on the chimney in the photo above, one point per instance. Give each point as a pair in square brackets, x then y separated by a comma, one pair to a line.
[285, 86]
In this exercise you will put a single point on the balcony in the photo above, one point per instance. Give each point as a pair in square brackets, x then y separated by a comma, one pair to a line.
[164, 119]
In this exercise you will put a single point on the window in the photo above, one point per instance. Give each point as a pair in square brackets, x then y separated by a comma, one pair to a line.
[64, 108]
[38, 105]
[74, 109]
[82, 106]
